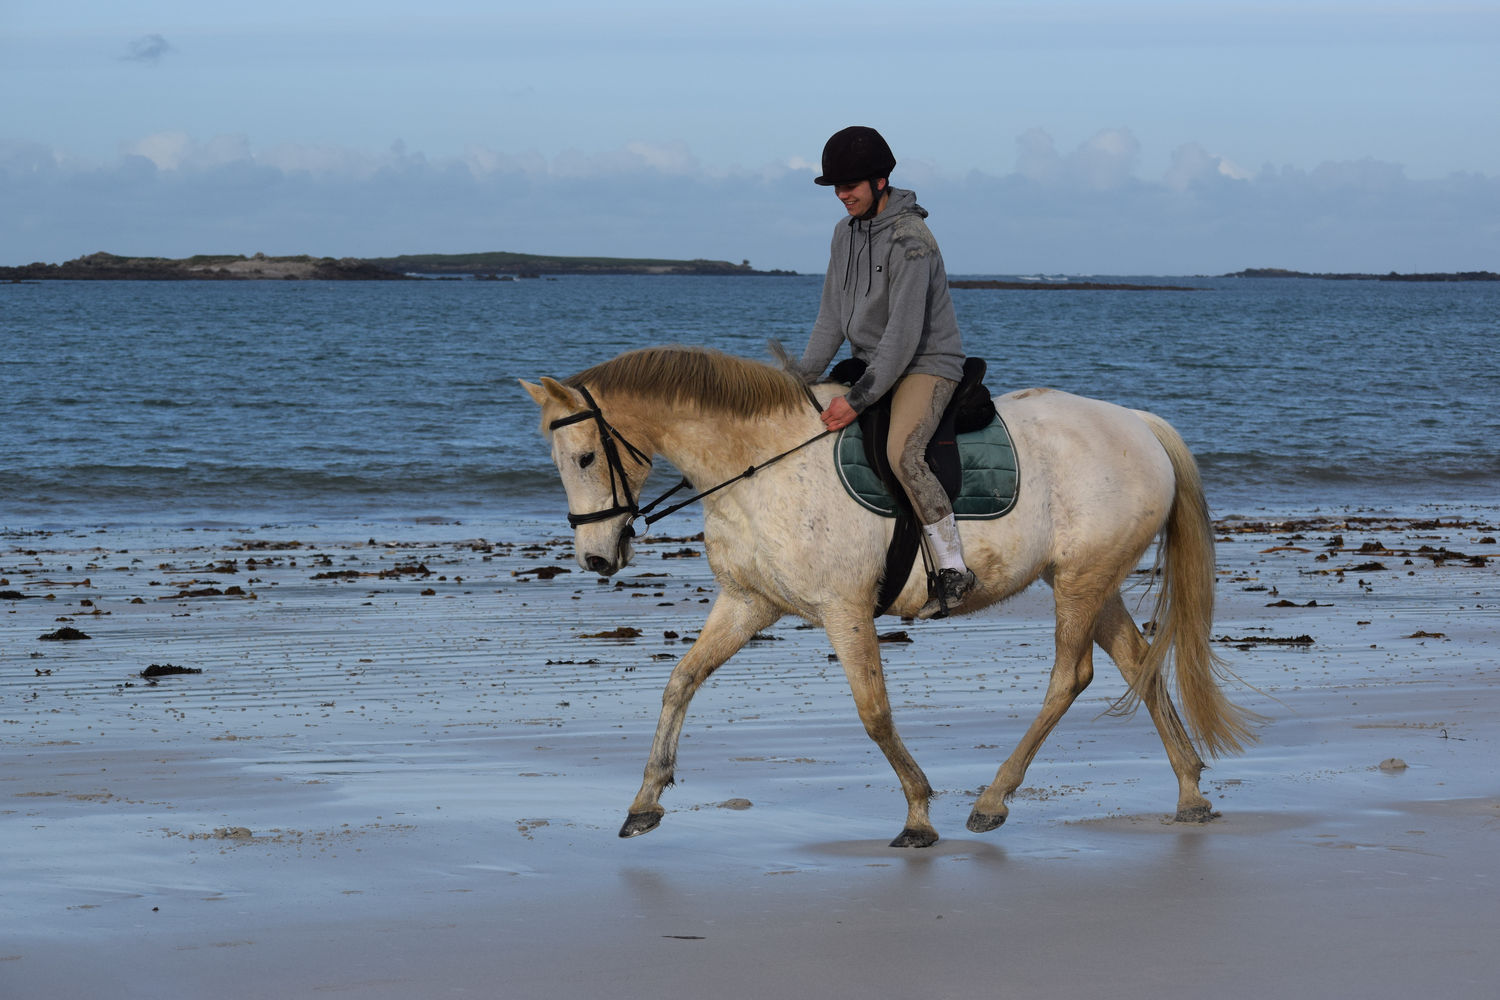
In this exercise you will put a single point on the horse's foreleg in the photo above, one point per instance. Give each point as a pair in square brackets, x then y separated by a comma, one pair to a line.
[858, 649]
[1116, 632]
[731, 623]
[1072, 669]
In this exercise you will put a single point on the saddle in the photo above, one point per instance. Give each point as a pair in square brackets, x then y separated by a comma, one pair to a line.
[970, 453]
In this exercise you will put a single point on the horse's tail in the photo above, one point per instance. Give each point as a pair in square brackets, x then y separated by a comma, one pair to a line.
[1181, 644]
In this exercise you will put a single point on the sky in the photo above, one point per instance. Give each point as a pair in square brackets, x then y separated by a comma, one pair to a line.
[1070, 136]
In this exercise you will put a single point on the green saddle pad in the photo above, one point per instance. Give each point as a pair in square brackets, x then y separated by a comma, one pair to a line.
[988, 459]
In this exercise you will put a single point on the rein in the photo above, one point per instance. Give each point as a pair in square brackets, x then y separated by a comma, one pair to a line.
[653, 518]
[608, 435]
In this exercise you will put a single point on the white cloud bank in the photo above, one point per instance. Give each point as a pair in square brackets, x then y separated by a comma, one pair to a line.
[1084, 210]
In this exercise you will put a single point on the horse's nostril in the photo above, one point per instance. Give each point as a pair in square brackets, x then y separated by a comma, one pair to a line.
[599, 565]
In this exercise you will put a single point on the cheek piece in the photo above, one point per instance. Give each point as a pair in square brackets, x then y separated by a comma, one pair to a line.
[618, 481]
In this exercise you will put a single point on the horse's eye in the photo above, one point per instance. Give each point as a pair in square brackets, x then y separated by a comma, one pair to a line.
[585, 460]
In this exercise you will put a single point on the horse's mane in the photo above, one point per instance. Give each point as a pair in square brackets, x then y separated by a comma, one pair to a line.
[699, 376]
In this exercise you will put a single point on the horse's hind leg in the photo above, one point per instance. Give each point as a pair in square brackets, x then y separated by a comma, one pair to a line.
[858, 648]
[1116, 632]
[732, 622]
[1072, 669]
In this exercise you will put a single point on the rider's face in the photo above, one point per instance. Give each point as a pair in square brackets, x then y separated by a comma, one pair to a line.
[859, 196]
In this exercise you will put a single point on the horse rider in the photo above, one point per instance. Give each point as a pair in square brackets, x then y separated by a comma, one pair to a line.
[886, 293]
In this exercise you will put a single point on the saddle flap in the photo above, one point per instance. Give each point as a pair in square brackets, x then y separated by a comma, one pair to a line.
[971, 409]
[989, 473]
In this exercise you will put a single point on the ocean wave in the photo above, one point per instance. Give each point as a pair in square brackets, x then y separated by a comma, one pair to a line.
[138, 483]
[1366, 466]
[1296, 477]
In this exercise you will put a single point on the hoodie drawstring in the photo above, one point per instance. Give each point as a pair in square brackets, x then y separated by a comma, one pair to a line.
[849, 258]
[869, 256]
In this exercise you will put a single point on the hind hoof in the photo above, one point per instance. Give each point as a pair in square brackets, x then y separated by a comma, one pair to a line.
[984, 822]
[915, 838]
[639, 823]
[1196, 814]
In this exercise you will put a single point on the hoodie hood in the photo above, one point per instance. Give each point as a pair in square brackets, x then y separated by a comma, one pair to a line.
[902, 201]
[902, 208]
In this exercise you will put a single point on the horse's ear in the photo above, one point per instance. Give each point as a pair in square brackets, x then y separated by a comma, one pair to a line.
[568, 397]
[536, 392]
[552, 390]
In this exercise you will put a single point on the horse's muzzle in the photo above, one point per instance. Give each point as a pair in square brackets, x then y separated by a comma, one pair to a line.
[617, 559]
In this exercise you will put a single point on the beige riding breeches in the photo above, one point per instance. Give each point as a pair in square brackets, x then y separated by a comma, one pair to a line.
[917, 404]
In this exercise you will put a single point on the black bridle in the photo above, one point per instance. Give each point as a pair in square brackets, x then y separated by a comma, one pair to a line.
[620, 482]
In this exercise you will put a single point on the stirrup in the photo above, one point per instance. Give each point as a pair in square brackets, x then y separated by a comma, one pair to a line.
[947, 589]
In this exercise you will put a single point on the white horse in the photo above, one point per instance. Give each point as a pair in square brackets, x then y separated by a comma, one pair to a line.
[1100, 482]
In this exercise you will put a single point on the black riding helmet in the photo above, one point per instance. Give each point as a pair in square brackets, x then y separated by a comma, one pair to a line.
[857, 153]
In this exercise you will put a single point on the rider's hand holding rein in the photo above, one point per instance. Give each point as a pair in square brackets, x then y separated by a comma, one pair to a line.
[839, 414]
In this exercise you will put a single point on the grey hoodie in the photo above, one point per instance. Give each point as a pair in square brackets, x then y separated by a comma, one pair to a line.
[886, 292]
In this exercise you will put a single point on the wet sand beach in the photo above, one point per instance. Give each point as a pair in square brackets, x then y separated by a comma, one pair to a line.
[396, 767]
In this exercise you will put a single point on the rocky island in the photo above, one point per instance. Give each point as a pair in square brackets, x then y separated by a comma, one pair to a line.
[237, 267]
[1278, 272]
[1068, 284]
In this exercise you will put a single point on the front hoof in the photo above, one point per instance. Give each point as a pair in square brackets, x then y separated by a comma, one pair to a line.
[639, 823]
[980, 822]
[1197, 814]
[915, 838]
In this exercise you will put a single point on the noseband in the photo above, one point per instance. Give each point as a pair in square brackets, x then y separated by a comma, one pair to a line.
[618, 481]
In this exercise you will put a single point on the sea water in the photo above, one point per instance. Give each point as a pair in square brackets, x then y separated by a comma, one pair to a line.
[187, 403]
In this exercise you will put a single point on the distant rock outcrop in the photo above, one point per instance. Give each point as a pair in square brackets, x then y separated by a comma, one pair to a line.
[530, 265]
[1278, 272]
[489, 266]
[110, 267]
[1095, 286]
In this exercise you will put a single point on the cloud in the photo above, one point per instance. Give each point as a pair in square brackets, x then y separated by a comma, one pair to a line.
[1037, 158]
[165, 150]
[1105, 161]
[673, 159]
[179, 151]
[1192, 164]
[148, 49]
